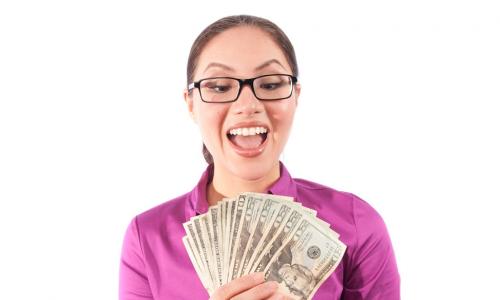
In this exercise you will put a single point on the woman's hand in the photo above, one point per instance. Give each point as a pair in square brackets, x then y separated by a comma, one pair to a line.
[251, 287]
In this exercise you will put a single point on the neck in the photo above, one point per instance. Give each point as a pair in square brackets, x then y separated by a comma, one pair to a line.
[226, 184]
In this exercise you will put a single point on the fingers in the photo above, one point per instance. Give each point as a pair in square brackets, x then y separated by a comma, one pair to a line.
[261, 291]
[278, 296]
[238, 286]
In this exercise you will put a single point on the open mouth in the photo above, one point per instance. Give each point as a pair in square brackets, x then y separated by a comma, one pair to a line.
[247, 138]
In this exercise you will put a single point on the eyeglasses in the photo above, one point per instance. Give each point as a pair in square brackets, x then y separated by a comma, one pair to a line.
[227, 89]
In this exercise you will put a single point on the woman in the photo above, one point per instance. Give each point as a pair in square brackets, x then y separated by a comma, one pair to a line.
[245, 119]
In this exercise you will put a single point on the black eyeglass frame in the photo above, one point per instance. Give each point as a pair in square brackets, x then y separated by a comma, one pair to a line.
[242, 82]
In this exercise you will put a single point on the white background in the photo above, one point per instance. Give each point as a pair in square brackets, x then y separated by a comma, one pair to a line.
[399, 106]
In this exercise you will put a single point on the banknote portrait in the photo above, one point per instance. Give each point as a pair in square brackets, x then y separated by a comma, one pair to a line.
[299, 279]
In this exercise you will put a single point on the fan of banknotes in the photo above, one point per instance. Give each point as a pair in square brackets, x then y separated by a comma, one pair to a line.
[263, 233]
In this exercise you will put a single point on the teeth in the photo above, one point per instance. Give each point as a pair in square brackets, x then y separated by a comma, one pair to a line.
[246, 131]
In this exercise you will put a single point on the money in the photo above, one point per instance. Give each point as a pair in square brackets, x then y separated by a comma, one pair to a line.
[235, 232]
[215, 236]
[249, 215]
[268, 210]
[256, 232]
[305, 260]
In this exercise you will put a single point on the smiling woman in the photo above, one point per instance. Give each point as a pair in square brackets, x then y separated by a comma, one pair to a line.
[242, 91]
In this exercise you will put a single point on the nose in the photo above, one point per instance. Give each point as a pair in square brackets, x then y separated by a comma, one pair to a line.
[247, 103]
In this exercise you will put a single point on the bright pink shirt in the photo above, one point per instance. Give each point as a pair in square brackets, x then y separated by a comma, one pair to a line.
[155, 265]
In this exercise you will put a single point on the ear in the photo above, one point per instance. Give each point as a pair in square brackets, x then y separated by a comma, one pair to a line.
[297, 90]
[189, 102]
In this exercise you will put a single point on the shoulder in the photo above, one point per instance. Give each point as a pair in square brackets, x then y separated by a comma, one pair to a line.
[165, 216]
[357, 222]
[331, 204]
[148, 232]
[329, 198]
[310, 187]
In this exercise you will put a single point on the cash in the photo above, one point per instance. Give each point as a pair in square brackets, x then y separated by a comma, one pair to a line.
[267, 233]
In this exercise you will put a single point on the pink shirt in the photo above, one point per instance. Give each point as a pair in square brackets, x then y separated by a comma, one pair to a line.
[155, 265]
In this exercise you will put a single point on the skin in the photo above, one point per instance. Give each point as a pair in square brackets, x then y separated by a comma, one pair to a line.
[242, 49]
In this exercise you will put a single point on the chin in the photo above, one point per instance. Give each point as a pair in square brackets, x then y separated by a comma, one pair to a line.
[250, 175]
[253, 168]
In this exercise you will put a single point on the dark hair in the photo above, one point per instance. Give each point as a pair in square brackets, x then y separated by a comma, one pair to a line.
[229, 22]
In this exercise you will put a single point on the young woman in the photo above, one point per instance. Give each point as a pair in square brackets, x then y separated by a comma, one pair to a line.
[245, 124]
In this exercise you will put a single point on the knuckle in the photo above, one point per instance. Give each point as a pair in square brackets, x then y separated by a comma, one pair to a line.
[222, 292]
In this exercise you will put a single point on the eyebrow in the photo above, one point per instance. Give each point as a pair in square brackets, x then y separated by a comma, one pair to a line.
[262, 66]
[216, 64]
[267, 63]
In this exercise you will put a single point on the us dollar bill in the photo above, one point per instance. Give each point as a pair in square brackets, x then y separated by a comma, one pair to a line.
[269, 232]
[222, 217]
[213, 220]
[220, 226]
[277, 240]
[231, 206]
[252, 205]
[305, 260]
[235, 232]
[268, 210]
[189, 248]
[307, 210]
[190, 234]
[205, 249]
[314, 213]
[206, 230]
[251, 214]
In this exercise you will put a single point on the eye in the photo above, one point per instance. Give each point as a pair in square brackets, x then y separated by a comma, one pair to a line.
[218, 85]
[271, 86]
[219, 88]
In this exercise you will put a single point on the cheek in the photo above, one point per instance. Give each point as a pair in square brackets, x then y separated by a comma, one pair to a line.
[282, 115]
[210, 120]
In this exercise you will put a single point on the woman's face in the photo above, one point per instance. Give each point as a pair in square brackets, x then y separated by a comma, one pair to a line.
[243, 52]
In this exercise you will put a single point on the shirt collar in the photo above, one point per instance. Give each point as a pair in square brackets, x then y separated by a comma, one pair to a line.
[198, 204]
[285, 185]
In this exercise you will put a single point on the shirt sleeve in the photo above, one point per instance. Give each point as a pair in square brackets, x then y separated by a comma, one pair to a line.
[134, 283]
[373, 272]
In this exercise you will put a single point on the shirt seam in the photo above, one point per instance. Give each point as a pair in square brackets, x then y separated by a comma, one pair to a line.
[143, 257]
[311, 188]
[355, 227]
[140, 241]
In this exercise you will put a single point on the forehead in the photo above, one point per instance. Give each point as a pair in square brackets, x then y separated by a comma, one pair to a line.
[243, 49]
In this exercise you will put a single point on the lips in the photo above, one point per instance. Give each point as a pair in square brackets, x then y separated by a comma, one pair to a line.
[249, 152]
[248, 142]
[248, 139]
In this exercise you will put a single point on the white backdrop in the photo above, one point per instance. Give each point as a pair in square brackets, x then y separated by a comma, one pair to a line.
[399, 106]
